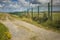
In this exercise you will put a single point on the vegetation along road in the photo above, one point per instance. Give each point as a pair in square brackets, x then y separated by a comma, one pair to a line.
[21, 30]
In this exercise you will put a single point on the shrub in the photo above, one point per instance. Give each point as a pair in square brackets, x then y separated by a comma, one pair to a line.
[35, 18]
[3, 34]
[34, 38]
[8, 35]
[54, 24]
[42, 20]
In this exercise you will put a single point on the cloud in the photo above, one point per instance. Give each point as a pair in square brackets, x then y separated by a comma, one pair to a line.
[14, 5]
[1, 5]
[38, 1]
[21, 4]
[56, 2]
[43, 1]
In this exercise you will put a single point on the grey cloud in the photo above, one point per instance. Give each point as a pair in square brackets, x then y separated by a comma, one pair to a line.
[55, 2]
[24, 3]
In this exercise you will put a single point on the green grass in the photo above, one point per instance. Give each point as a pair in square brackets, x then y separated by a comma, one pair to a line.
[3, 16]
[50, 25]
[3, 30]
[54, 24]
[34, 38]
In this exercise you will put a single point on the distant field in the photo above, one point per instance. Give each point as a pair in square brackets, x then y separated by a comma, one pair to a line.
[55, 15]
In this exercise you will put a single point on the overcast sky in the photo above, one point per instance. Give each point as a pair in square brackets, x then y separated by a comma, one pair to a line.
[20, 5]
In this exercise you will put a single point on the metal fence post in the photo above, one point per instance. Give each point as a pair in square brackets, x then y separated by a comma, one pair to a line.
[38, 11]
[51, 9]
[48, 10]
[32, 12]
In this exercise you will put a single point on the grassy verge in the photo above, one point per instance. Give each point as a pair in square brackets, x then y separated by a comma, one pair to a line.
[2, 16]
[54, 24]
[4, 33]
[47, 25]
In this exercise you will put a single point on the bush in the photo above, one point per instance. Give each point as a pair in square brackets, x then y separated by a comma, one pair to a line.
[35, 18]
[8, 35]
[3, 29]
[42, 20]
[54, 24]
[33, 38]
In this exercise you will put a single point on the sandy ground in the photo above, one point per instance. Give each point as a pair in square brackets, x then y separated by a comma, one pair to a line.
[21, 30]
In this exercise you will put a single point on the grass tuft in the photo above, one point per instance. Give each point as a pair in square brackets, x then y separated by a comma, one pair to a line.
[4, 36]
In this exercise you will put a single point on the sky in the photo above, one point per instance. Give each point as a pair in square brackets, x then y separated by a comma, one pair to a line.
[22, 5]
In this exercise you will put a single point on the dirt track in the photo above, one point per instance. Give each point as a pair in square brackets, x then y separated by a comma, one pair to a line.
[21, 30]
